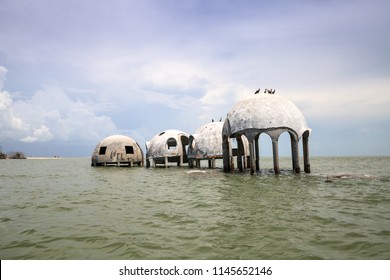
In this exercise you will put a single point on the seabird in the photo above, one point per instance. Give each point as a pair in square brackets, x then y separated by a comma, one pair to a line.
[212, 120]
[220, 119]
[257, 91]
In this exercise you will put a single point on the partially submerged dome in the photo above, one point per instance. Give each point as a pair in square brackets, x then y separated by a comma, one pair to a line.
[265, 112]
[269, 113]
[168, 146]
[206, 142]
[117, 150]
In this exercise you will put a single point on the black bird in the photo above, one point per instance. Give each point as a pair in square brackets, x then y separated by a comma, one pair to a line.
[220, 119]
[257, 91]
[212, 120]
[273, 92]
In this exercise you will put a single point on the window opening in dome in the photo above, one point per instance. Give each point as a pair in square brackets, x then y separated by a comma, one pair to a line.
[129, 149]
[102, 150]
[171, 142]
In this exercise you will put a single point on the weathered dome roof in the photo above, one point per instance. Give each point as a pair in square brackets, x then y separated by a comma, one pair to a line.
[116, 139]
[265, 112]
[208, 139]
[117, 148]
[157, 147]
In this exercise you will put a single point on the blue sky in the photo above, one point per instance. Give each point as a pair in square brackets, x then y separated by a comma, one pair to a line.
[74, 72]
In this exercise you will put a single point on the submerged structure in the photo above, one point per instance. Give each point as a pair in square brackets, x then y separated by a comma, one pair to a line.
[117, 150]
[169, 146]
[206, 144]
[264, 113]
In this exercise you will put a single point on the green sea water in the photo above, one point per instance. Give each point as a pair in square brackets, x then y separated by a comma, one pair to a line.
[66, 209]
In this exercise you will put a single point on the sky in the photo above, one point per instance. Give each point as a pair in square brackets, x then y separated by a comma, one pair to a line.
[73, 72]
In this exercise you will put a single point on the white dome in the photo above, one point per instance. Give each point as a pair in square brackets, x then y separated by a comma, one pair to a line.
[265, 112]
[117, 149]
[208, 140]
[167, 143]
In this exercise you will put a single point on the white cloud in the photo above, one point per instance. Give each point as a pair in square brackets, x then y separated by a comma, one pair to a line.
[40, 134]
[51, 114]
[3, 72]
[11, 126]
[367, 99]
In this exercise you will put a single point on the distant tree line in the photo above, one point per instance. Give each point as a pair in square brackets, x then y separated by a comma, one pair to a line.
[12, 155]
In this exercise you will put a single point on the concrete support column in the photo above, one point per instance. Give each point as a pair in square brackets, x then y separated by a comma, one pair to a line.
[240, 152]
[295, 155]
[275, 152]
[257, 152]
[166, 162]
[252, 156]
[226, 154]
[231, 164]
[306, 161]
[231, 158]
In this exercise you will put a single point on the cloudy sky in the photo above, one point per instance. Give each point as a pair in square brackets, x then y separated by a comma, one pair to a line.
[75, 71]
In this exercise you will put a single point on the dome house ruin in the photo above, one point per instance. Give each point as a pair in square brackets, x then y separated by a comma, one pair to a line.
[206, 144]
[167, 147]
[265, 113]
[117, 150]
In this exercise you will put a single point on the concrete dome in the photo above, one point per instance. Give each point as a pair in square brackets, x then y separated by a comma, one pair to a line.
[265, 112]
[168, 146]
[269, 113]
[206, 142]
[117, 150]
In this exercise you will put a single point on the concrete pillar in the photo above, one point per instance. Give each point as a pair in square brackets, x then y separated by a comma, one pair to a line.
[252, 156]
[231, 158]
[231, 164]
[213, 163]
[306, 161]
[240, 152]
[295, 155]
[166, 162]
[275, 152]
[257, 152]
[226, 154]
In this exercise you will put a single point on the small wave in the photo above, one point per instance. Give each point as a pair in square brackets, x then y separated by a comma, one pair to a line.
[29, 231]
[196, 172]
[350, 176]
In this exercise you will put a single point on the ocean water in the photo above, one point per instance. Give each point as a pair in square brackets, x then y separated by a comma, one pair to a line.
[66, 209]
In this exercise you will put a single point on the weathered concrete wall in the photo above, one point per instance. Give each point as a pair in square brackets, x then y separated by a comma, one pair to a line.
[265, 113]
[117, 150]
[168, 146]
